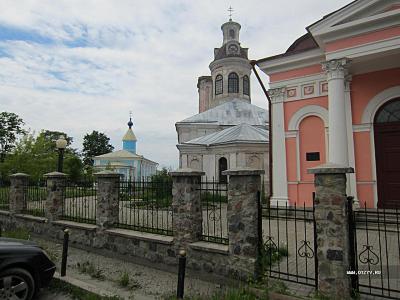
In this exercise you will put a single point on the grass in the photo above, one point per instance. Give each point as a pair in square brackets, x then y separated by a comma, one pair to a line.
[270, 254]
[18, 233]
[123, 280]
[76, 292]
[90, 269]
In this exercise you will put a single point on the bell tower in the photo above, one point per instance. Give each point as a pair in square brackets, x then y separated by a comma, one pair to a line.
[230, 71]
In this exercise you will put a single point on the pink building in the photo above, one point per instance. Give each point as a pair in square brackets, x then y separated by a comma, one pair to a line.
[336, 98]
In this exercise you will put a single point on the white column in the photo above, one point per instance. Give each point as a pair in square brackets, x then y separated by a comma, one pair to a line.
[351, 177]
[279, 174]
[336, 71]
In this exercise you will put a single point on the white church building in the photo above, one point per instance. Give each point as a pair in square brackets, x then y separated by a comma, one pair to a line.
[228, 131]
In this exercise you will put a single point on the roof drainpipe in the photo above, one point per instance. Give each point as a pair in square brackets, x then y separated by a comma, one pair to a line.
[253, 64]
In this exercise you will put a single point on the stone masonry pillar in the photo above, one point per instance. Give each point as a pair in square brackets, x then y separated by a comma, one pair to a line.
[55, 195]
[331, 219]
[107, 211]
[186, 205]
[19, 182]
[243, 232]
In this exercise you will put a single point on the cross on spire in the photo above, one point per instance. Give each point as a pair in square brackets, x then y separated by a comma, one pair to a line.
[130, 123]
[230, 9]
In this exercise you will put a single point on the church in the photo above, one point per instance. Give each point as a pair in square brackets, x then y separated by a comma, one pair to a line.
[126, 162]
[336, 98]
[228, 131]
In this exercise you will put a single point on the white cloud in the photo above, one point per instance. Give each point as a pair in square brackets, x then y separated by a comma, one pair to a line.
[99, 59]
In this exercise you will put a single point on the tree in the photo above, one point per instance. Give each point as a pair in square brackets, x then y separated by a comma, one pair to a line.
[10, 128]
[95, 143]
[37, 156]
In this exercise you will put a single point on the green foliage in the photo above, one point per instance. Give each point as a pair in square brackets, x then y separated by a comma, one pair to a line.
[10, 127]
[123, 280]
[92, 270]
[243, 293]
[37, 156]
[19, 233]
[270, 254]
[213, 198]
[94, 144]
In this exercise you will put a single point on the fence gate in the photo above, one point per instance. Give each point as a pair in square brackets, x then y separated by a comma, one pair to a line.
[289, 244]
[375, 251]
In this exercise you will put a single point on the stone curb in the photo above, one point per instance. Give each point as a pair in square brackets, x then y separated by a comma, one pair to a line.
[67, 280]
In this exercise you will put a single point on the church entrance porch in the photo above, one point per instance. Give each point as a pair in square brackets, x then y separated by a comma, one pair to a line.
[387, 153]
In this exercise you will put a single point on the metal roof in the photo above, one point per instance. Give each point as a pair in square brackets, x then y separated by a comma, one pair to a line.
[243, 133]
[119, 154]
[233, 112]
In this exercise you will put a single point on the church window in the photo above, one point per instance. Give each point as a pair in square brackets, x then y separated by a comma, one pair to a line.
[246, 85]
[233, 83]
[218, 85]
[222, 166]
[232, 33]
[390, 112]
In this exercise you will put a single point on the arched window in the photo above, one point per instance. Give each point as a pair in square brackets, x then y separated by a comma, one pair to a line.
[389, 112]
[231, 33]
[233, 83]
[246, 85]
[218, 85]
[222, 166]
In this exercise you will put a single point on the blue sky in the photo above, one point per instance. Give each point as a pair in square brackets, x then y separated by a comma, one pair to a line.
[78, 66]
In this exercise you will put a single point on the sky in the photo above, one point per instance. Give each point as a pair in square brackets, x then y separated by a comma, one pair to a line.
[77, 66]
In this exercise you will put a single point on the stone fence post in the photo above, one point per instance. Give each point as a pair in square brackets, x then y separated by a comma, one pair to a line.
[18, 188]
[243, 224]
[332, 229]
[107, 210]
[55, 195]
[186, 206]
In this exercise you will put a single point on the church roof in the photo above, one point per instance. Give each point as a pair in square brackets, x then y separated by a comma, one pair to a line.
[129, 136]
[243, 133]
[231, 113]
[119, 154]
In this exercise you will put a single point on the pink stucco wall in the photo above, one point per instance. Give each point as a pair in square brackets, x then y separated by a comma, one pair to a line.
[365, 86]
[309, 70]
[363, 39]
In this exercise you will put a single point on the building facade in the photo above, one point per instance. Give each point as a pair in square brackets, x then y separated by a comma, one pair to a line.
[336, 98]
[228, 131]
[126, 161]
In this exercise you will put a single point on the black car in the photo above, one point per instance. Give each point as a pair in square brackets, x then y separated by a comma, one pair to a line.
[24, 269]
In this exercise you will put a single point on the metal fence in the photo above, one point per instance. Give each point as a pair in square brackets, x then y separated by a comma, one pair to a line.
[289, 247]
[35, 198]
[80, 202]
[146, 206]
[375, 240]
[4, 195]
[214, 199]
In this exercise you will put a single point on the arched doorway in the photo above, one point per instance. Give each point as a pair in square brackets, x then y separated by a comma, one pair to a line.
[222, 166]
[387, 154]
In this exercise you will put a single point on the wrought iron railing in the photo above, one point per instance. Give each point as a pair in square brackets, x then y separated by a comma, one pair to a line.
[146, 206]
[214, 198]
[289, 244]
[4, 195]
[35, 198]
[376, 251]
[80, 202]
